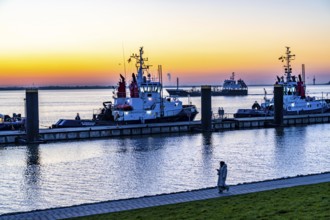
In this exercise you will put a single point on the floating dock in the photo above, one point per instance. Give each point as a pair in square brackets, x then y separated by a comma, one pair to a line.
[66, 134]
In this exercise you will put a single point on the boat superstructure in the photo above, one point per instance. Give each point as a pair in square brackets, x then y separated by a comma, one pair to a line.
[144, 103]
[231, 87]
[295, 100]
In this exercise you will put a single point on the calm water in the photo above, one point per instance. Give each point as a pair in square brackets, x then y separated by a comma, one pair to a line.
[68, 173]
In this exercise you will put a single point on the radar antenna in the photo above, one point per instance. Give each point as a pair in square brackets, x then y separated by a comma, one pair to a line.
[140, 66]
[287, 67]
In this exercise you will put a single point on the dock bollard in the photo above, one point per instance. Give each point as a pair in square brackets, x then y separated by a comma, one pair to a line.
[206, 108]
[32, 115]
[278, 104]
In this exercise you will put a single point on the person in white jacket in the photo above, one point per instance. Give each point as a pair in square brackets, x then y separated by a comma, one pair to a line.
[222, 175]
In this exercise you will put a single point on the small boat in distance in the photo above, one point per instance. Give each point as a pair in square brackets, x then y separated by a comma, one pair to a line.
[295, 101]
[145, 103]
[230, 87]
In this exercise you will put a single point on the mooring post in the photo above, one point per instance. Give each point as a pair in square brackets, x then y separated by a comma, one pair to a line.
[206, 108]
[32, 115]
[278, 104]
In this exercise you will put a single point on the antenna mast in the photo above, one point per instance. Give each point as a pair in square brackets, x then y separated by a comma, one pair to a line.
[140, 66]
[287, 58]
[124, 59]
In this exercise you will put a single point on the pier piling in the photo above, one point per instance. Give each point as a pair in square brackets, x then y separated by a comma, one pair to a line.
[278, 105]
[32, 115]
[206, 108]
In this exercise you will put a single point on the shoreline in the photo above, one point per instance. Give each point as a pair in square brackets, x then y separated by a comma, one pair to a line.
[16, 88]
[168, 198]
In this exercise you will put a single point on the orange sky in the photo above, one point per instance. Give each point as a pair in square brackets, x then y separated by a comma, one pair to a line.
[82, 42]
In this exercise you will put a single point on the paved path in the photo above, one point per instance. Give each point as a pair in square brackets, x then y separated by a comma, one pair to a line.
[143, 202]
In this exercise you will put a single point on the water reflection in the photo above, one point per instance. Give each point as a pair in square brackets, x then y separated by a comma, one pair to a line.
[207, 139]
[64, 174]
[207, 157]
[289, 148]
[32, 173]
[279, 132]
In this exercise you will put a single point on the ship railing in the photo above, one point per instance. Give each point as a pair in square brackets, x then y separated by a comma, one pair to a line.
[322, 97]
[238, 88]
[219, 117]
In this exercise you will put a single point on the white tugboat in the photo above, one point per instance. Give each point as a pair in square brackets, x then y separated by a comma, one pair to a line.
[295, 100]
[145, 103]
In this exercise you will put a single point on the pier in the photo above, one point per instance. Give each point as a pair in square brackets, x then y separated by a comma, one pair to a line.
[225, 124]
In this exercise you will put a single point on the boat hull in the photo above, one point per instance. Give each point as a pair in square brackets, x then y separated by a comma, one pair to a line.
[67, 123]
[246, 113]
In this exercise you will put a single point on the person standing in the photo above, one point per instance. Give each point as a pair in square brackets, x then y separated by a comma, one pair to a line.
[77, 117]
[222, 176]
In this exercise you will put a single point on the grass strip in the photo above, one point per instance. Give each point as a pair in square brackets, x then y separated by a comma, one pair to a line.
[301, 202]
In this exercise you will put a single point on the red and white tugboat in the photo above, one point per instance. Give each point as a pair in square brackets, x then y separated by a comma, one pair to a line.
[145, 103]
[295, 101]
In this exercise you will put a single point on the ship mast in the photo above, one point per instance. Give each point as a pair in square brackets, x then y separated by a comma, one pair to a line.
[140, 66]
[287, 58]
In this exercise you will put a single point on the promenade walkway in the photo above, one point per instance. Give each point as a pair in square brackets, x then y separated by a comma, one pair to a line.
[143, 202]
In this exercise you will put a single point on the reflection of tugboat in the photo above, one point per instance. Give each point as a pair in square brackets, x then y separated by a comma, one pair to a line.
[294, 99]
[230, 87]
[11, 123]
[145, 104]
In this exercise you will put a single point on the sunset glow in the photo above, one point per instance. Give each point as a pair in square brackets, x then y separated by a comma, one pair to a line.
[85, 42]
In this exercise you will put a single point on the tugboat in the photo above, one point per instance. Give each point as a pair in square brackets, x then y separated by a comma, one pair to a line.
[295, 101]
[230, 87]
[145, 103]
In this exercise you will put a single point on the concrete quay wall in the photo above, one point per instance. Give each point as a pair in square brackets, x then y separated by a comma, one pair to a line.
[65, 134]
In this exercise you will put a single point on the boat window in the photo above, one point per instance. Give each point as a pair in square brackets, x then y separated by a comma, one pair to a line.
[150, 88]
